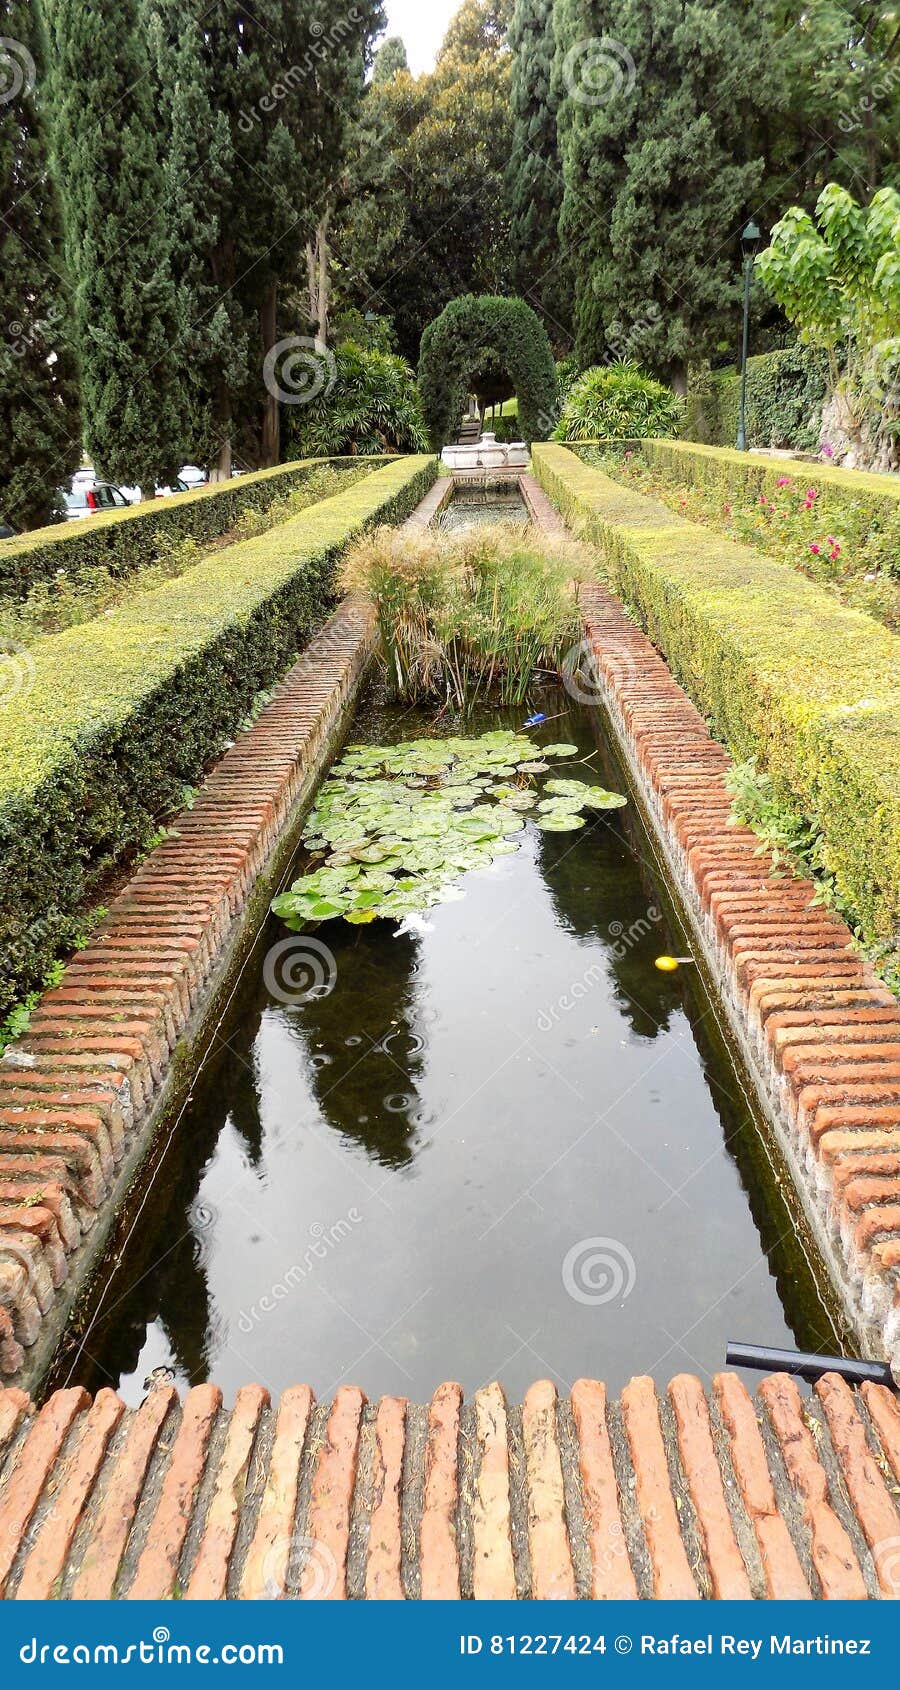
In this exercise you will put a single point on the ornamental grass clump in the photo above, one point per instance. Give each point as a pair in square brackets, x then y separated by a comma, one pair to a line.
[469, 618]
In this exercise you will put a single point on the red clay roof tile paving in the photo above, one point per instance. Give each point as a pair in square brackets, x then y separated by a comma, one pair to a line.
[703, 1495]
[78, 1090]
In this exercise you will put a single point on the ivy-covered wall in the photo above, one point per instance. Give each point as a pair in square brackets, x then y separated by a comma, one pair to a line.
[785, 393]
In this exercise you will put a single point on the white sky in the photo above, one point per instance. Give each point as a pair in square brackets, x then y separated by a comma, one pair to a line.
[423, 25]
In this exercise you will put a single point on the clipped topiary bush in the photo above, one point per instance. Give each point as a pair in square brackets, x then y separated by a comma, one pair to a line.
[474, 336]
[112, 719]
[618, 402]
[786, 675]
[123, 540]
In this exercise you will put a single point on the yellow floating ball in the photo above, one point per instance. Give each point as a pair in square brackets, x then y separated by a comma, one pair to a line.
[667, 964]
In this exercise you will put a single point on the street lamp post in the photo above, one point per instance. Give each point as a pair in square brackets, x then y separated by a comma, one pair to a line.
[750, 238]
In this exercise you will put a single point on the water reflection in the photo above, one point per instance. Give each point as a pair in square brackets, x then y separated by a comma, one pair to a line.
[385, 1183]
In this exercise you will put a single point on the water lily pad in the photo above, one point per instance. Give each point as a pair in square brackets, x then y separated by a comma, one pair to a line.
[561, 821]
[560, 750]
[598, 799]
[568, 788]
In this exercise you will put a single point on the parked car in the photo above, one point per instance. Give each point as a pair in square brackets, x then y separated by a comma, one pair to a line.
[192, 476]
[133, 494]
[87, 497]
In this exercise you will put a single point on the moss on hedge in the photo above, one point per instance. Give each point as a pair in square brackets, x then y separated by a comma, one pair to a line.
[127, 539]
[113, 718]
[783, 672]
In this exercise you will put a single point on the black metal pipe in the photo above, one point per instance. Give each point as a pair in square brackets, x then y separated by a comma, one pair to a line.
[811, 1367]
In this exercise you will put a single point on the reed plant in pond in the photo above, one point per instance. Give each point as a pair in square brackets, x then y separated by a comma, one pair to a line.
[469, 618]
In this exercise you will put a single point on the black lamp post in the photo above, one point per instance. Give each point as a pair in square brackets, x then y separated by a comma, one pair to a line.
[750, 238]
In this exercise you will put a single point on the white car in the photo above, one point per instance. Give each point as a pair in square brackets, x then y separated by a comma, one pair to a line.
[192, 476]
[87, 496]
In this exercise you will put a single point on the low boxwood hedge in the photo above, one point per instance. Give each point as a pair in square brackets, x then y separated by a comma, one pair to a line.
[123, 540]
[870, 501]
[114, 718]
[784, 673]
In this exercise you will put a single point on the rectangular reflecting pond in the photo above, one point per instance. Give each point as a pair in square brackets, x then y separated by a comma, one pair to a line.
[496, 1141]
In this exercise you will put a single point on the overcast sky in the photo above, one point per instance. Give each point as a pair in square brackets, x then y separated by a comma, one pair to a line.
[423, 25]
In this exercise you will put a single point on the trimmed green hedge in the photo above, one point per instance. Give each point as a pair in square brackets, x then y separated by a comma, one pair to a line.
[865, 504]
[114, 718]
[783, 672]
[474, 338]
[786, 390]
[124, 540]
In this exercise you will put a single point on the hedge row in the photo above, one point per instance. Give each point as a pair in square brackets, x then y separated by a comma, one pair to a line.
[784, 673]
[124, 540]
[838, 491]
[114, 718]
[786, 390]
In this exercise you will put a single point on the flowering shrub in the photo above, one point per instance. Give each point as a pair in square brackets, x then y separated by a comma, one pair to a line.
[860, 565]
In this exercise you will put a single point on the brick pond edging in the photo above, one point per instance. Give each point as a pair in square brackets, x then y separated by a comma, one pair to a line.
[819, 1032]
[685, 1495]
[85, 1090]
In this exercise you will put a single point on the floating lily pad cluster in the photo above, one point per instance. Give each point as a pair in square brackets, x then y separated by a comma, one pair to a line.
[395, 827]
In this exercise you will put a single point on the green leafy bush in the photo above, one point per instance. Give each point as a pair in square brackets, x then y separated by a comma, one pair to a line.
[122, 540]
[477, 336]
[617, 402]
[785, 674]
[837, 278]
[368, 404]
[113, 719]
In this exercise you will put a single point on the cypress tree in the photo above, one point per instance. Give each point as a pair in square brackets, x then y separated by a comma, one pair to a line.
[660, 109]
[106, 144]
[534, 174]
[39, 419]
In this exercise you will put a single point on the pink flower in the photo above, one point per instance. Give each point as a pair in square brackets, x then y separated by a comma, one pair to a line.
[727, 509]
[783, 481]
[815, 550]
[812, 492]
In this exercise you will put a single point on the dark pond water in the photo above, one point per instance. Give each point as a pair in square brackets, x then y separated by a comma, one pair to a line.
[502, 1146]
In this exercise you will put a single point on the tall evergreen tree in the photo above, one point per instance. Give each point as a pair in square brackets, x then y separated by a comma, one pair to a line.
[40, 425]
[534, 173]
[106, 143]
[444, 178]
[214, 327]
[390, 58]
[660, 111]
[842, 124]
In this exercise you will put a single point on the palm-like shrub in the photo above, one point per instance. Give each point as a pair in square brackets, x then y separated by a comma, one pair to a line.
[371, 406]
[618, 402]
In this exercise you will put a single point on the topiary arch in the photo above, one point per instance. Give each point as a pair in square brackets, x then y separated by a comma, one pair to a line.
[472, 337]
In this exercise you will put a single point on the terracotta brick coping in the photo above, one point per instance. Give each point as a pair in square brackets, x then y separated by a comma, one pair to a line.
[820, 1033]
[84, 1091]
[688, 1494]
